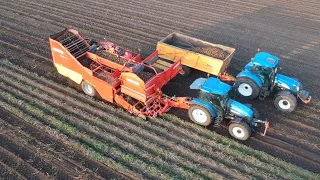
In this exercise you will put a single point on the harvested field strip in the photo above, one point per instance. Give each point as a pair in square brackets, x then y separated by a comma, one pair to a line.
[141, 123]
[12, 38]
[76, 20]
[229, 29]
[157, 123]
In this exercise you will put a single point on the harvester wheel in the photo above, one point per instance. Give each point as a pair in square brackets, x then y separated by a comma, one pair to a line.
[285, 102]
[200, 115]
[88, 89]
[246, 88]
[185, 71]
[240, 131]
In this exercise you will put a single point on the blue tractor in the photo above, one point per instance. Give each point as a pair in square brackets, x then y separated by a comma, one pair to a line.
[213, 105]
[259, 79]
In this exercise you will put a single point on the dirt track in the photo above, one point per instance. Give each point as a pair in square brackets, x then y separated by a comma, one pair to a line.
[287, 29]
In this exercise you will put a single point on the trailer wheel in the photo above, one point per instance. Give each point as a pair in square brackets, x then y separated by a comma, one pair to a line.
[240, 131]
[88, 89]
[185, 71]
[200, 115]
[285, 102]
[246, 88]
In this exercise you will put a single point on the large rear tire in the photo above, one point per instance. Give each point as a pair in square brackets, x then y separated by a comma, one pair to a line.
[246, 88]
[285, 102]
[240, 131]
[200, 115]
[185, 71]
[88, 89]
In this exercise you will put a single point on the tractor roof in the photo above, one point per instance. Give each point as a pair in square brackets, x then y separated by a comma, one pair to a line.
[211, 85]
[265, 59]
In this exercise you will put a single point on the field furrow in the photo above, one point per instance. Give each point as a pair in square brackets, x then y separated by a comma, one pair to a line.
[20, 166]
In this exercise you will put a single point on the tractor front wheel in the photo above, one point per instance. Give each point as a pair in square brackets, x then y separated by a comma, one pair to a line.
[246, 88]
[185, 71]
[200, 115]
[240, 131]
[88, 89]
[285, 102]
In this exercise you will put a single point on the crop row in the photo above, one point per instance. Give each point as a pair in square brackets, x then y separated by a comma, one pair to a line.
[131, 145]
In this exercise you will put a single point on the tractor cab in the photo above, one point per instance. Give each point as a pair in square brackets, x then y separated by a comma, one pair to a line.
[265, 66]
[214, 92]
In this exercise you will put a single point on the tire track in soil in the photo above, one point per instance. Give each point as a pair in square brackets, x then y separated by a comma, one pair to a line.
[76, 21]
[244, 162]
[280, 150]
[61, 147]
[296, 138]
[146, 134]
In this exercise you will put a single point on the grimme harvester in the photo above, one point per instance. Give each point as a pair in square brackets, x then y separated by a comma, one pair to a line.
[130, 83]
[120, 76]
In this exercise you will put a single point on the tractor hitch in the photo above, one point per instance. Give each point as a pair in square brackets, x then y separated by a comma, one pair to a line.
[266, 125]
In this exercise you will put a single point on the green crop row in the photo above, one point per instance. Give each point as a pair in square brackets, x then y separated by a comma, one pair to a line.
[202, 142]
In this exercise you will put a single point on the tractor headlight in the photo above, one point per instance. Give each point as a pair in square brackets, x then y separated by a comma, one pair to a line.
[295, 88]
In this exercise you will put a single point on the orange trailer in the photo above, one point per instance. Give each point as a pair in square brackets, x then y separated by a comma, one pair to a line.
[129, 82]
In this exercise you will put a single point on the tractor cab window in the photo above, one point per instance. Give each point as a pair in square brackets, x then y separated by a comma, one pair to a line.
[213, 99]
[263, 71]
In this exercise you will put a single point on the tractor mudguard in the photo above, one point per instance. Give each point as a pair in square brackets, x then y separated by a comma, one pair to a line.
[283, 92]
[252, 76]
[204, 104]
[236, 120]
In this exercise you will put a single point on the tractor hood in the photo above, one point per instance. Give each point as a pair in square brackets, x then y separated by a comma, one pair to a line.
[239, 109]
[211, 85]
[288, 83]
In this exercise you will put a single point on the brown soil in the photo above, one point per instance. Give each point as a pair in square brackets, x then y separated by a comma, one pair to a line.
[214, 52]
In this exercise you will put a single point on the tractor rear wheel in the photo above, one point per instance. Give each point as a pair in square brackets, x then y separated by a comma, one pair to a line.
[185, 71]
[246, 88]
[88, 89]
[285, 102]
[240, 131]
[200, 115]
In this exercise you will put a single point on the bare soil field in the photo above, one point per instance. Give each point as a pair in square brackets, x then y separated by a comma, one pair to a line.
[159, 148]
